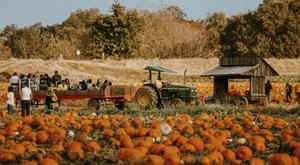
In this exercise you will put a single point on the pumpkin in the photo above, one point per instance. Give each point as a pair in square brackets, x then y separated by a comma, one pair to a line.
[7, 157]
[244, 153]
[108, 133]
[229, 155]
[27, 162]
[296, 133]
[256, 161]
[154, 160]
[187, 148]
[171, 158]
[47, 161]
[93, 147]
[204, 160]
[42, 137]
[197, 143]
[19, 149]
[188, 159]
[280, 159]
[216, 157]
[58, 147]
[126, 141]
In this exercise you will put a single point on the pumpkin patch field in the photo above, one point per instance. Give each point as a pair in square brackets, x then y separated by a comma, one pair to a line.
[205, 134]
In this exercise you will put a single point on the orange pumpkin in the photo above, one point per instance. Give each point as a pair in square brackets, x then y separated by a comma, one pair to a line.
[154, 160]
[256, 161]
[197, 143]
[244, 153]
[27, 162]
[126, 141]
[7, 157]
[42, 137]
[47, 161]
[172, 159]
[280, 159]
[93, 146]
[187, 148]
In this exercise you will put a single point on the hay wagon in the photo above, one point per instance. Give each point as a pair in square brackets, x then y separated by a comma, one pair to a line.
[116, 94]
[250, 68]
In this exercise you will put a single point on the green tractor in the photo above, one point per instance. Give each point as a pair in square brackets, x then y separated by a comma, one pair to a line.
[156, 94]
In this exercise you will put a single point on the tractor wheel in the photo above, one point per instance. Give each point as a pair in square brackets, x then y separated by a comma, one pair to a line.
[94, 103]
[177, 103]
[146, 98]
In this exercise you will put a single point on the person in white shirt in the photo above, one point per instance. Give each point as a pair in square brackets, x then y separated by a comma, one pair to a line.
[10, 100]
[26, 96]
[14, 80]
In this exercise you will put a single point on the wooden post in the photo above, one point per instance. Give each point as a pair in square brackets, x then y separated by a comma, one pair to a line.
[150, 76]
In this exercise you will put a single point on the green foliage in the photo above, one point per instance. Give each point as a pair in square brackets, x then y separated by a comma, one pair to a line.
[215, 23]
[117, 33]
[271, 31]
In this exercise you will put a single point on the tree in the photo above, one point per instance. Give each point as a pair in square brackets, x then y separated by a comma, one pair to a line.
[176, 12]
[215, 23]
[271, 31]
[78, 30]
[167, 36]
[116, 34]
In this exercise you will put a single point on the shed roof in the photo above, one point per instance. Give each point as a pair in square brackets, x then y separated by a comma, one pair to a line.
[159, 69]
[229, 70]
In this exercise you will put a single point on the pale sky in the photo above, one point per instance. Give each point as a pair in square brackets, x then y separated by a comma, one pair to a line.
[48, 12]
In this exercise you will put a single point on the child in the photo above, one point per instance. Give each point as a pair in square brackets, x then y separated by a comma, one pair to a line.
[48, 101]
[10, 100]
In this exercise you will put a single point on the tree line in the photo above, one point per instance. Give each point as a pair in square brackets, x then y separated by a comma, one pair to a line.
[270, 31]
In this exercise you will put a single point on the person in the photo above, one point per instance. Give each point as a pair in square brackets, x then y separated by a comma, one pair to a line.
[62, 86]
[48, 79]
[50, 99]
[99, 83]
[89, 84]
[56, 78]
[67, 81]
[289, 90]
[34, 83]
[43, 85]
[93, 87]
[82, 85]
[26, 96]
[42, 80]
[14, 80]
[104, 84]
[297, 90]
[10, 100]
[268, 88]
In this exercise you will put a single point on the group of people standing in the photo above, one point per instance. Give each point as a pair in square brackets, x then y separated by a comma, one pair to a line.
[25, 96]
[288, 88]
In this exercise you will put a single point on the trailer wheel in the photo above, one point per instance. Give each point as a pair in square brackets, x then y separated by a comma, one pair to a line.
[146, 98]
[241, 101]
[94, 103]
[177, 103]
[120, 105]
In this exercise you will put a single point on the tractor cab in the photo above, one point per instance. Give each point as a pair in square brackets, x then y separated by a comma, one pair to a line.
[158, 93]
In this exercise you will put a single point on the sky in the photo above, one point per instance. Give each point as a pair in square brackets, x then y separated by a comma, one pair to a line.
[25, 13]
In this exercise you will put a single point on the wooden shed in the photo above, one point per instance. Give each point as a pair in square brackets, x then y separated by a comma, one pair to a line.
[253, 68]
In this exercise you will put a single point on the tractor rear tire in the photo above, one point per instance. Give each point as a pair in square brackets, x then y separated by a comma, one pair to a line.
[146, 98]
[94, 103]
[177, 103]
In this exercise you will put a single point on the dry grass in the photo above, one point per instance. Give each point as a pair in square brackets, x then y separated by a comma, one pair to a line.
[130, 70]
